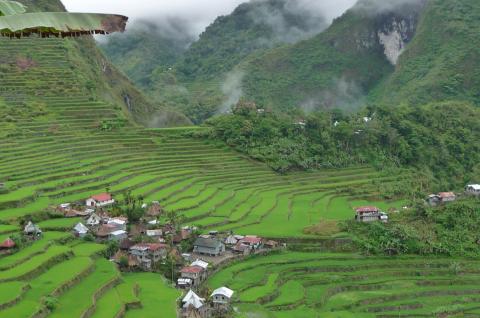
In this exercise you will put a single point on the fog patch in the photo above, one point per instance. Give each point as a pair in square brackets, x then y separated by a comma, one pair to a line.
[383, 6]
[343, 94]
[232, 89]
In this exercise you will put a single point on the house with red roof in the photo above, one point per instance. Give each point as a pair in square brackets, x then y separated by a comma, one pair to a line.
[100, 200]
[148, 254]
[370, 214]
[248, 244]
[7, 244]
[195, 273]
[441, 198]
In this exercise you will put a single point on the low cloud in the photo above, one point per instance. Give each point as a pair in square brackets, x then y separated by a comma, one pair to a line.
[232, 89]
[344, 94]
[195, 14]
[381, 6]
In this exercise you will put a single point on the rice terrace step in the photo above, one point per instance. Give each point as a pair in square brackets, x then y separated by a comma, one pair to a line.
[160, 200]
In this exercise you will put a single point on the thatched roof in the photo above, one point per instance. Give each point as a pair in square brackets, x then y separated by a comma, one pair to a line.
[14, 22]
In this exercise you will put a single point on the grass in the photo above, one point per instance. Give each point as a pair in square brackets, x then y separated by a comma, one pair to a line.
[58, 224]
[155, 295]
[38, 246]
[10, 291]
[345, 285]
[75, 301]
[54, 152]
[34, 263]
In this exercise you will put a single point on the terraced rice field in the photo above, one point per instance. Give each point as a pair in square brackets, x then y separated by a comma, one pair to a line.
[61, 155]
[73, 276]
[293, 284]
[53, 151]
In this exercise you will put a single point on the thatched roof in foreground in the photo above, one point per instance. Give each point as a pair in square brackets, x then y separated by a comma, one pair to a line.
[14, 22]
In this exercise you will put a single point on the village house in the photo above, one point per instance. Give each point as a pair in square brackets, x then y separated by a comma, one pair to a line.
[208, 246]
[80, 230]
[271, 244]
[441, 198]
[73, 213]
[222, 297]
[117, 235]
[125, 244]
[120, 223]
[232, 239]
[244, 250]
[184, 283]
[196, 273]
[8, 244]
[370, 214]
[181, 235]
[148, 254]
[94, 220]
[248, 244]
[200, 263]
[156, 234]
[447, 197]
[100, 200]
[104, 231]
[254, 242]
[32, 230]
[473, 189]
[193, 306]
[154, 210]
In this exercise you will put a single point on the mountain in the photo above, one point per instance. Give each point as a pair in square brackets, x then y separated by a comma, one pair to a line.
[337, 68]
[443, 60]
[146, 48]
[199, 81]
[91, 71]
[378, 52]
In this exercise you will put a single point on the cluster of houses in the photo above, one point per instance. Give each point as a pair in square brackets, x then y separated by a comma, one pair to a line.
[374, 214]
[442, 198]
[30, 231]
[212, 245]
[194, 306]
[100, 224]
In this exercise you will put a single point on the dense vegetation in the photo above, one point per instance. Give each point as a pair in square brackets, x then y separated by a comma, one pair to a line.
[439, 139]
[439, 66]
[146, 49]
[450, 230]
[337, 285]
[194, 83]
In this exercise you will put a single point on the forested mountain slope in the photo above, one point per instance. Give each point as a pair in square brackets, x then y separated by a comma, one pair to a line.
[199, 83]
[443, 60]
[337, 68]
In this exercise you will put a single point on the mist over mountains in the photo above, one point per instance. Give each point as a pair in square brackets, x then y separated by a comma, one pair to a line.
[282, 54]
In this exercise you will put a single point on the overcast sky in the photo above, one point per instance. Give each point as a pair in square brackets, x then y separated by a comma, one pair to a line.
[199, 13]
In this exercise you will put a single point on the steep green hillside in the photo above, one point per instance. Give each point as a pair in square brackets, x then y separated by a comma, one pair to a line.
[91, 73]
[443, 60]
[337, 68]
[199, 83]
[146, 49]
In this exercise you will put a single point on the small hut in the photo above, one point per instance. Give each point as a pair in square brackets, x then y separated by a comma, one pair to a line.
[7, 244]
[32, 229]
[80, 230]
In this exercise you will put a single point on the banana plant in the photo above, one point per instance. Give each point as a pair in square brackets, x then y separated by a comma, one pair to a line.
[15, 22]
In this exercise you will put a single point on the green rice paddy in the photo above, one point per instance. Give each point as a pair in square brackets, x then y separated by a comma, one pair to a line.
[53, 151]
[293, 284]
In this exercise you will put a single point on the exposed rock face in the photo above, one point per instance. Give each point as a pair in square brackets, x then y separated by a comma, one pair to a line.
[395, 35]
